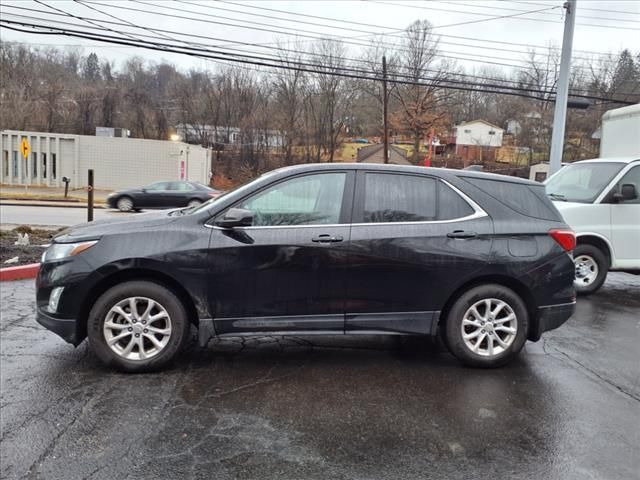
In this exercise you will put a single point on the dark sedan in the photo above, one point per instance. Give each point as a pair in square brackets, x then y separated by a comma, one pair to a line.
[162, 195]
[320, 249]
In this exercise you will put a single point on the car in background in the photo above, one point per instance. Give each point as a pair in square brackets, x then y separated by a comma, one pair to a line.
[600, 201]
[483, 260]
[162, 195]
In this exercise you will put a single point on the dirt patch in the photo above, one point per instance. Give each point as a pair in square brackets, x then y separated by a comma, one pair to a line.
[26, 253]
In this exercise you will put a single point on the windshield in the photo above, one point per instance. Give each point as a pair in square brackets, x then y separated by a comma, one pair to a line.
[581, 182]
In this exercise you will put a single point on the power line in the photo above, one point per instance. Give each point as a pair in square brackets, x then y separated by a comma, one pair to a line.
[384, 27]
[515, 15]
[443, 42]
[210, 46]
[345, 40]
[502, 81]
[446, 54]
[286, 66]
[581, 7]
[477, 5]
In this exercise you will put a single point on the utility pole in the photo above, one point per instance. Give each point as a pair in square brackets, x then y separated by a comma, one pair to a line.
[385, 102]
[560, 113]
[90, 196]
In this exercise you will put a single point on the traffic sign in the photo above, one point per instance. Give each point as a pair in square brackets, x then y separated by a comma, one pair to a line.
[25, 148]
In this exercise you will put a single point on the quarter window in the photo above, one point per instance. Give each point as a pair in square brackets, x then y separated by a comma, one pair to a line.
[308, 200]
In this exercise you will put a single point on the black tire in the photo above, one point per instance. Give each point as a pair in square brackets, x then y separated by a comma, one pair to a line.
[453, 327]
[593, 254]
[125, 204]
[179, 323]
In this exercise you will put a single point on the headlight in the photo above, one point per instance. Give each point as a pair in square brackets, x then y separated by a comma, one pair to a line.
[59, 251]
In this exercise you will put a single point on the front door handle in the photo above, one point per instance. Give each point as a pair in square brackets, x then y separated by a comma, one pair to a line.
[461, 234]
[326, 238]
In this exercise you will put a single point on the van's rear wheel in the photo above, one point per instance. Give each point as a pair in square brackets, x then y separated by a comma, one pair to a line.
[591, 268]
[487, 326]
[137, 326]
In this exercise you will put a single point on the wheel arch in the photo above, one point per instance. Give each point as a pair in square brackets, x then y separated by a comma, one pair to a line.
[597, 241]
[503, 280]
[134, 274]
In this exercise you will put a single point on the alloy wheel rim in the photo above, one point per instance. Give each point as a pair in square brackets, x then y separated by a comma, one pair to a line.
[137, 328]
[489, 327]
[194, 203]
[586, 270]
[125, 204]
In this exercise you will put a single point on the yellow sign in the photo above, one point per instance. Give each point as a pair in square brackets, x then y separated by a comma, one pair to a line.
[25, 148]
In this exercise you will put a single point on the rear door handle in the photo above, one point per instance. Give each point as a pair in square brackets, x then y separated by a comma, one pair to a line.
[461, 234]
[326, 238]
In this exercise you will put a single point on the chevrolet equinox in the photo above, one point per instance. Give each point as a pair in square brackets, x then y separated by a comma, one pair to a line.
[482, 260]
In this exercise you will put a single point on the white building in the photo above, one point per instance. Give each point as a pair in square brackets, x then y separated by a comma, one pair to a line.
[117, 162]
[480, 133]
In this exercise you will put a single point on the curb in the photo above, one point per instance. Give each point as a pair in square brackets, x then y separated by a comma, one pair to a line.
[28, 203]
[21, 272]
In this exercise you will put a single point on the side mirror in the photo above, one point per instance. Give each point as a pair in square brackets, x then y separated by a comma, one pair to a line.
[627, 192]
[235, 217]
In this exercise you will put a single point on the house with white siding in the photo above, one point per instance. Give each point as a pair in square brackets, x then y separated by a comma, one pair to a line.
[477, 140]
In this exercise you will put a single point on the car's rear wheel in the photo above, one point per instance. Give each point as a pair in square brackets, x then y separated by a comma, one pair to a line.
[124, 204]
[591, 268]
[137, 326]
[487, 326]
[194, 203]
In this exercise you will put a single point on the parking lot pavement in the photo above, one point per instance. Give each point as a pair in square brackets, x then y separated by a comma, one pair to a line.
[328, 407]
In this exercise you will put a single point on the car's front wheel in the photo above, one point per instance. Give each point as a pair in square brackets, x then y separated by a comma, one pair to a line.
[137, 326]
[591, 268]
[124, 204]
[487, 326]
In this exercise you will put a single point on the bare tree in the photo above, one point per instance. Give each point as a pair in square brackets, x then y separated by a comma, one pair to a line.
[419, 102]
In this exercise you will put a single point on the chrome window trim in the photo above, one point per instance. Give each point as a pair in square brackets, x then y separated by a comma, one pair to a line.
[478, 212]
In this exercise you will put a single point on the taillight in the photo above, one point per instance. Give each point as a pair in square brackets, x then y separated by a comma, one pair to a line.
[214, 194]
[566, 238]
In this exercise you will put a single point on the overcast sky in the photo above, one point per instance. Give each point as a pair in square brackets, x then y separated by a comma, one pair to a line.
[601, 25]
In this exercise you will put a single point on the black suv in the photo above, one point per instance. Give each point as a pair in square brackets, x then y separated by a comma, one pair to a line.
[351, 249]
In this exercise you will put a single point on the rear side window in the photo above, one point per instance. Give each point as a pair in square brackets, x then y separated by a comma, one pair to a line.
[525, 199]
[410, 198]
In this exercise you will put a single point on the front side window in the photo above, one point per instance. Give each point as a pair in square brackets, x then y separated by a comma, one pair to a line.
[632, 177]
[399, 198]
[307, 200]
[158, 187]
[181, 186]
[581, 182]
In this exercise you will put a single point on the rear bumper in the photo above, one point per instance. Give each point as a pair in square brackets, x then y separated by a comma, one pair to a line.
[550, 317]
[66, 328]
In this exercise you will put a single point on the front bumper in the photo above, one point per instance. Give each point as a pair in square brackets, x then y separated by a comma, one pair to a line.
[66, 328]
[550, 317]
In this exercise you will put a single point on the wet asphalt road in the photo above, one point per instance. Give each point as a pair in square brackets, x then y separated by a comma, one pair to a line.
[328, 407]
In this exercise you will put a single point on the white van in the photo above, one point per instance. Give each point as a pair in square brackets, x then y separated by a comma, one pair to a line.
[600, 200]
